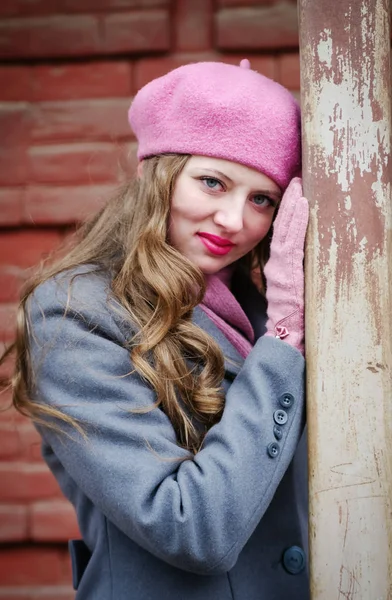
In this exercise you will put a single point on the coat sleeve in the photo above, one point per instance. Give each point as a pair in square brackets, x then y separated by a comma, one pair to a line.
[194, 512]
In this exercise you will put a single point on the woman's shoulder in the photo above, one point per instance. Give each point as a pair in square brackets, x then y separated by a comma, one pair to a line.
[83, 285]
[84, 292]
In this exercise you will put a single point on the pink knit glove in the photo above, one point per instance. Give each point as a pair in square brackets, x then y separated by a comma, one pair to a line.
[284, 271]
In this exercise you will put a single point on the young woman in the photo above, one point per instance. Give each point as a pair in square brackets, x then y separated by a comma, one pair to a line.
[167, 385]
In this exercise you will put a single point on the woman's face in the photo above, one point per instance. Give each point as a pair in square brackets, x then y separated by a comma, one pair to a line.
[220, 210]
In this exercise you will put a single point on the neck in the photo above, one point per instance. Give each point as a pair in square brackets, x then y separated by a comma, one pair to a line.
[224, 275]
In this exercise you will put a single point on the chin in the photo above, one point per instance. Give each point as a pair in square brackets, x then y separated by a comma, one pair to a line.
[212, 268]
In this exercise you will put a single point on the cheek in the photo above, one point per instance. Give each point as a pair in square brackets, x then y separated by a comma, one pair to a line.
[189, 206]
[258, 229]
[186, 213]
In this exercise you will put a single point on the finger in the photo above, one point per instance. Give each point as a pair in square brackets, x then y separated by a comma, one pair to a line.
[283, 221]
[300, 218]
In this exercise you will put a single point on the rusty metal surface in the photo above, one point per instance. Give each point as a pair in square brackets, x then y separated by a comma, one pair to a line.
[345, 95]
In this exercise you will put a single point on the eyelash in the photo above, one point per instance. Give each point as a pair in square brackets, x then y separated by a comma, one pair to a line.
[205, 179]
[272, 203]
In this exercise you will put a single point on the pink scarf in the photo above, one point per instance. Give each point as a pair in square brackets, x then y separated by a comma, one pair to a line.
[227, 314]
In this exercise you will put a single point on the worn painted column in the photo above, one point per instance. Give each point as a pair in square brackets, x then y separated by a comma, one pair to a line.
[345, 86]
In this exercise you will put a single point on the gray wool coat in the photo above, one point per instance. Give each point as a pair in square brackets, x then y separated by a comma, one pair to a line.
[229, 523]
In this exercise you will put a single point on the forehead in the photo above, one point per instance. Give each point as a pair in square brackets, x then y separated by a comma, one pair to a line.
[239, 174]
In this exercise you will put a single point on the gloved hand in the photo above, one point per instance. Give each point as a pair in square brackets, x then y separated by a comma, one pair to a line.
[284, 271]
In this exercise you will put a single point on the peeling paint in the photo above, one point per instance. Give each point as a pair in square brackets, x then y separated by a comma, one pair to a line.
[345, 94]
[356, 140]
[324, 48]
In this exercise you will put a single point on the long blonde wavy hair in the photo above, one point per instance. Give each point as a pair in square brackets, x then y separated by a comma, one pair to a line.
[158, 289]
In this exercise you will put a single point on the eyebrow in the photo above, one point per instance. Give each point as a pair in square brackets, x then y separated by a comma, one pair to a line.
[277, 195]
[219, 173]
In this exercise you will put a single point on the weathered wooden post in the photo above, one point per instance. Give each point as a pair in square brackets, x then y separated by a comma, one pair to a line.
[345, 93]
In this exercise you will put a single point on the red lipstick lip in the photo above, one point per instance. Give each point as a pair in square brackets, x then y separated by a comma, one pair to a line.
[219, 241]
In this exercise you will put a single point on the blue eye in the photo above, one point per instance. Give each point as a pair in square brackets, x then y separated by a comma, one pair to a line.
[211, 182]
[263, 201]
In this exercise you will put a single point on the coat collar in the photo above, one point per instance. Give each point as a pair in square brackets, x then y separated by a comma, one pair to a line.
[233, 360]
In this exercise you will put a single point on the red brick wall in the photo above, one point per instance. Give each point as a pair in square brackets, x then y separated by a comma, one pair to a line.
[68, 69]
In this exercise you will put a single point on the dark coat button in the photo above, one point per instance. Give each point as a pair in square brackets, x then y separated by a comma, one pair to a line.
[273, 449]
[278, 432]
[286, 400]
[280, 417]
[294, 560]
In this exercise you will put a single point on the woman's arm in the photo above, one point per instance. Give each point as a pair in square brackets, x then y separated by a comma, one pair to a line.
[195, 514]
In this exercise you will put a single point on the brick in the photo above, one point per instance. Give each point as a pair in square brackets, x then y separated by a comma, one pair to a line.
[6, 409]
[10, 415]
[41, 566]
[53, 521]
[13, 523]
[52, 36]
[14, 38]
[289, 71]
[10, 441]
[81, 120]
[7, 322]
[19, 439]
[13, 167]
[193, 22]
[11, 207]
[14, 123]
[257, 28]
[27, 482]
[14, 135]
[16, 8]
[45, 7]
[64, 205]
[11, 281]
[33, 450]
[109, 5]
[76, 163]
[6, 371]
[15, 83]
[137, 31]
[247, 3]
[266, 65]
[57, 592]
[85, 80]
[26, 248]
[148, 69]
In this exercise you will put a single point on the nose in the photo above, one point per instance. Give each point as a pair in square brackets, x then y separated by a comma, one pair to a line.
[230, 216]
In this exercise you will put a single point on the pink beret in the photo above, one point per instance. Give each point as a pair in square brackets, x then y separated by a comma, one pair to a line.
[223, 111]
